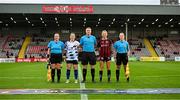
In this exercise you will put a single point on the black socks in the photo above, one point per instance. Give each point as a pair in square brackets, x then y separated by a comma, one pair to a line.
[109, 75]
[117, 75]
[93, 74]
[100, 75]
[52, 74]
[84, 74]
[58, 74]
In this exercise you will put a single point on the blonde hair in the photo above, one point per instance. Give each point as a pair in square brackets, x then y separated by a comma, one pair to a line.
[121, 33]
[104, 31]
[88, 27]
[72, 34]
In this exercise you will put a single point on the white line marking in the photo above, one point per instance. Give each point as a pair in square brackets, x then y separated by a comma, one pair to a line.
[95, 91]
[82, 85]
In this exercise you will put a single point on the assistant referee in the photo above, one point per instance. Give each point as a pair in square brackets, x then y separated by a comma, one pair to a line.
[55, 49]
[122, 48]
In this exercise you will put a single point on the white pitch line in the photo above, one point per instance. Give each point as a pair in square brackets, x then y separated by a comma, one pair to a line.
[82, 85]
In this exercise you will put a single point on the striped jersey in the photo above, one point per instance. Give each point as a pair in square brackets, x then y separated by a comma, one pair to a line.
[71, 48]
[105, 48]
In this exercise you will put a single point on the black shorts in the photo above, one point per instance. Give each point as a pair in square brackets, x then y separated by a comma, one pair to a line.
[121, 58]
[74, 62]
[88, 57]
[105, 59]
[55, 58]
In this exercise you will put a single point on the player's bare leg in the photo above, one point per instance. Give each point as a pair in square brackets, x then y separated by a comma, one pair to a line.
[108, 64]
[84, 73]
[75, 73]
[93, 73]
[117, 72]
[53, 72]
[68, 72]
[58, 67]
[127, 73]
[101, 70]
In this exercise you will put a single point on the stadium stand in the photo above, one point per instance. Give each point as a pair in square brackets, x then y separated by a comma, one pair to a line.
[137, 48]
[11, 45]
[168, 47]
[2, 43]
[38, 47]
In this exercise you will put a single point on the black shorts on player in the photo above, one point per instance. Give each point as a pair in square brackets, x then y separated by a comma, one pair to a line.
[56, 58]
[88, 57]
[121, 58]
[74, 62]
[105, 59]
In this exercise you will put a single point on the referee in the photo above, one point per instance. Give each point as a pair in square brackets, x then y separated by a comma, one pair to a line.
[122, 48]
[55, 49]
[88, 43]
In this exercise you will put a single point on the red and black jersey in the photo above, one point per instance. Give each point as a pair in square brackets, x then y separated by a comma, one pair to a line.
[104, 48]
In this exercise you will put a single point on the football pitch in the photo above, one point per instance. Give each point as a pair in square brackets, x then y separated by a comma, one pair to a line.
[144, 75]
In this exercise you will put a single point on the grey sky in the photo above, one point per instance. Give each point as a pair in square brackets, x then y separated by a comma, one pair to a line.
[119, 2]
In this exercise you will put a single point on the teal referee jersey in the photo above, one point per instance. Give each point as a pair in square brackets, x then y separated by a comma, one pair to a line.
[121, 46]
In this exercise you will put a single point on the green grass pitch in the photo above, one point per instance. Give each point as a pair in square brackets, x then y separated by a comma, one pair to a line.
[143, 75]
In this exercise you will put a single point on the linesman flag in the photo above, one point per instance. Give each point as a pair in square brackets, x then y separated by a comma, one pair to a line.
[48, 72]
[127, 72]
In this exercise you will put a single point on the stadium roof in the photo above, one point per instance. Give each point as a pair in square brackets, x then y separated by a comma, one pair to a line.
[76, 20]
[96, 15]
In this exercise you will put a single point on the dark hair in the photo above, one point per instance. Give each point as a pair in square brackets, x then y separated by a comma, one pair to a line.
[56, 33]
